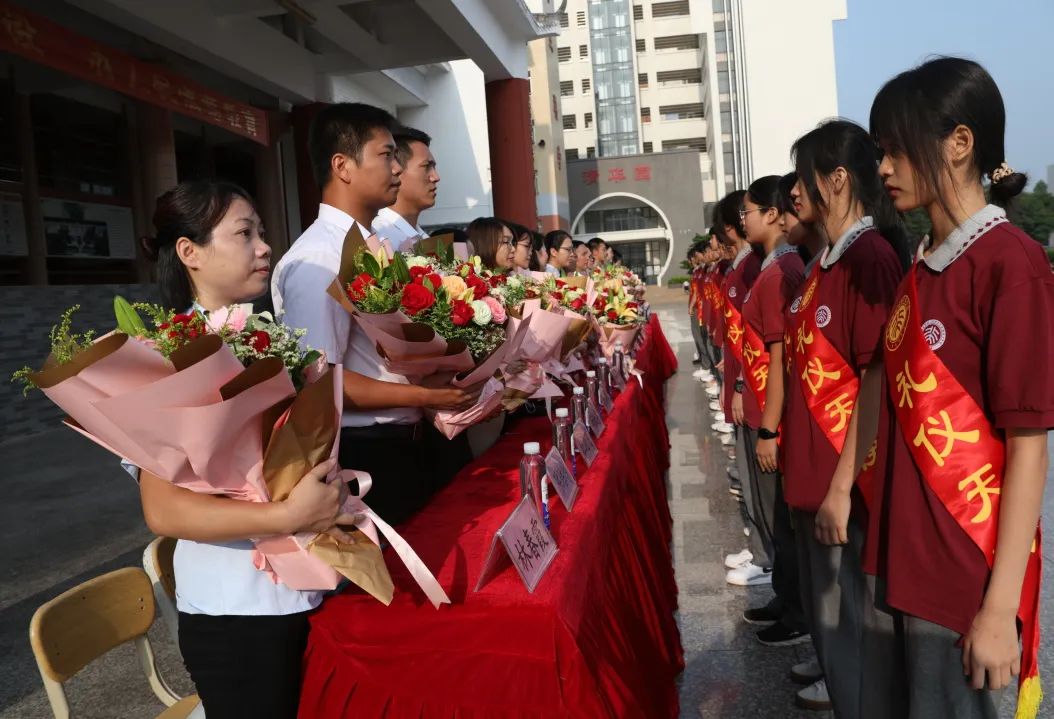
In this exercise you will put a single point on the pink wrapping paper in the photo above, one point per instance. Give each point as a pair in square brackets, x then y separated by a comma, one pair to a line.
[610, 334]
[545, 334]
[451, 424]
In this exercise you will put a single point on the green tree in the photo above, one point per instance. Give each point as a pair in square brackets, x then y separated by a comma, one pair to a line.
[1033, 212]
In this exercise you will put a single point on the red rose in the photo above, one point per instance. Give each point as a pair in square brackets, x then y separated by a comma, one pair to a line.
[561, 283]
[461, 313]
[632, 305]
[182, 319]
[357, 289]
[531, 294]
[417, 298]
[259, 340]
[599, 303]
[478, 285]
[497, 280]
[578, 303]
[558, 296]
[612, 315]
[417, 272]
[435, 280]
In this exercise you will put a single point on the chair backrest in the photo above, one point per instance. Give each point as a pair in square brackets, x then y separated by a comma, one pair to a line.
[85, 622]
[157, 561]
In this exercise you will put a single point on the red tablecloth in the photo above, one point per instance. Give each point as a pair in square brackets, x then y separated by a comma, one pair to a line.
[596, 639]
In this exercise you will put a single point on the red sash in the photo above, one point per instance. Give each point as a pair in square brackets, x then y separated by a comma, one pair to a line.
[961, 458]
[734, 330]
[755, 364]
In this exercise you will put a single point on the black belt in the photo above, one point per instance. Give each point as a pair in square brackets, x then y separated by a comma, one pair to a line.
[411, 432]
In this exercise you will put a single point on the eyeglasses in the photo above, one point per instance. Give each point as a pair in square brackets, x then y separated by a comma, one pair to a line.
[568, 248]
[743, 213]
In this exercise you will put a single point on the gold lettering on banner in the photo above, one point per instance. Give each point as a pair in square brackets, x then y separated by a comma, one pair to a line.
[922, 439]
[804, 338]
[100, 65]
[979, 487]
[21, 31]
[840, 409]
[906, 384]
[814, 369]
[761, 375]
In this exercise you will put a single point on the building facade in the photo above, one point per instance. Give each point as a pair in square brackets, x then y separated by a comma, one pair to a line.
[733, 82]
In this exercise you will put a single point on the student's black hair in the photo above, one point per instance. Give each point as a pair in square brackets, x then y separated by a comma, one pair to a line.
[518, 230]
[343, 128]
[485, 234]
[765, 192]
[841, 143]
[595, 243]
[191, 210]
[554, 239]
[787, 183]
[537, 245]
[459, 234]
[728, 212]
[919, 108]
[404, 136]
[616, 257]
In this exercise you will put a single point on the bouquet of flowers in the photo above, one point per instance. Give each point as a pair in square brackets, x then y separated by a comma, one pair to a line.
[211, 403]
[617, 317]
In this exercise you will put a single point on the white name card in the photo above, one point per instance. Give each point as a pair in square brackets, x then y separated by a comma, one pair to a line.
[524, 540]
[560, 475]
[596, 422]
[584, 443]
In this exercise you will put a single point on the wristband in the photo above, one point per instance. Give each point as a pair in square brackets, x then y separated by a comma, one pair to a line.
[767, 434]
[739, 386]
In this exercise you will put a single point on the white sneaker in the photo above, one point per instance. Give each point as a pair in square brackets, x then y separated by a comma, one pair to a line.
[695, 357]
[814, 697]
[701, 374]
[723, 428]
[713, 392]
[728, 439]
[807, 672]
[746, 531]
[737, 560]
[748, 575]
[719, 416]
[715, 405]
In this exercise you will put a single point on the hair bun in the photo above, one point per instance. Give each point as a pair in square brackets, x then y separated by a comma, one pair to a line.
[1007, 187]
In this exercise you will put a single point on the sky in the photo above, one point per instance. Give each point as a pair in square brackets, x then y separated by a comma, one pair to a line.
[1013, 39]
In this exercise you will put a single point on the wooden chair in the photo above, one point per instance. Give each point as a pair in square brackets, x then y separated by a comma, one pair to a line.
[85, 622]
[157, 561]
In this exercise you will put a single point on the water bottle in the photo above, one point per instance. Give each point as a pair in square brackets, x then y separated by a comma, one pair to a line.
[619, 359]
[592, 385]
[578, 407]
[562, 437]
[532, 479]
[604, 373]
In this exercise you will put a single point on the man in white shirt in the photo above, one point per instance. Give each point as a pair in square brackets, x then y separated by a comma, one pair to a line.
[353, 158]
[417, 193]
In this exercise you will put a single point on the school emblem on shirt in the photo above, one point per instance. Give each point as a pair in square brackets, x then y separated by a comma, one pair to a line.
[935, 334]
[795, 305]
[732, 292]
[823, 316]
[898, 324]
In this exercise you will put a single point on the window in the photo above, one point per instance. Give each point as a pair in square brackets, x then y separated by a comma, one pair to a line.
[569, 122]
[563, 54]
[693, 76]
[642, 45]
[572, 155]
[647, 147]
[645, 114]
[690, 111]
[688, 143]
[591, 152]
[642, 79]
[563, 19]
[583, 51]
[588, 120]
[638, 12]
[585, 86]
[677, 42]
[669, 9]
[567, 88]
[580, 19]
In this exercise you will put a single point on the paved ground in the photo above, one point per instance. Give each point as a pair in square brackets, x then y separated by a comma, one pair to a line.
[69, 513]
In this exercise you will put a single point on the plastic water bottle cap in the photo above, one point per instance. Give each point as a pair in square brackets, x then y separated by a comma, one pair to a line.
[618, 345]
[603, 360]
[591, 373]
[532, 448]
[578, 390]
[561, 412]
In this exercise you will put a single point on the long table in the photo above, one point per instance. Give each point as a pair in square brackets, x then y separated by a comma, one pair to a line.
[597, 638]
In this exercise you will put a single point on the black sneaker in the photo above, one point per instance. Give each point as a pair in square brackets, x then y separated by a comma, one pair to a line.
[763, 616]
[779, 635]
[733, 472]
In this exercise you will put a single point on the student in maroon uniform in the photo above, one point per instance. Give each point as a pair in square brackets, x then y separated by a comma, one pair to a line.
[967, 352]
[835, 328]
[764, 315]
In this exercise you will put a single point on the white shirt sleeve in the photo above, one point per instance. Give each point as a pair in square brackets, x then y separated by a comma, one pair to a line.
[307, 305]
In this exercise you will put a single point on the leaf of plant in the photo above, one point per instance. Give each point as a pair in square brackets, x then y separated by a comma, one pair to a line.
[371, 266]
[399, 267]
[128, 320]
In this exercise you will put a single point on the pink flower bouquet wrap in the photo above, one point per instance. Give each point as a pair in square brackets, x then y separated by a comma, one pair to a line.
[610, 334]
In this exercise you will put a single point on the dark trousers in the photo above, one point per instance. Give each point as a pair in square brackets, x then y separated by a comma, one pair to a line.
[697, 336]
[405, 472]
[773, 524]
[245, 666]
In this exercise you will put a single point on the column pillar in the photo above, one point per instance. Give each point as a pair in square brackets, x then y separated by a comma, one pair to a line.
[270, 200]
[37, 266]
[310, 194]
[157, 164]
[511, 150]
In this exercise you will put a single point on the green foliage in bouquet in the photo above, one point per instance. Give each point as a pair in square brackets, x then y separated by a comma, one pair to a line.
[65, 345]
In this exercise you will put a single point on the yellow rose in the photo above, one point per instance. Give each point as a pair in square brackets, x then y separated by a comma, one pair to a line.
[455, 286]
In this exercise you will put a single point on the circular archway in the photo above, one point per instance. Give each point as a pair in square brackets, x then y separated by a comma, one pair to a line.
[632, 224]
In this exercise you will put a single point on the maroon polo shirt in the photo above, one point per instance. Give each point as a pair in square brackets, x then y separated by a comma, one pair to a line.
[765, 310]
[856, 291]
[737, 283]
[995, 304]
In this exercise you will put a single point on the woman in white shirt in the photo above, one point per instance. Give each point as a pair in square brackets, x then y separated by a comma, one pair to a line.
[241, 634]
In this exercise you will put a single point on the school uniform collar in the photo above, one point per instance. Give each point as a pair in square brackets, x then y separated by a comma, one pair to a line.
[834, 252]
[776, 254]
[961, 238]
[743, 254]
[341, 219]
